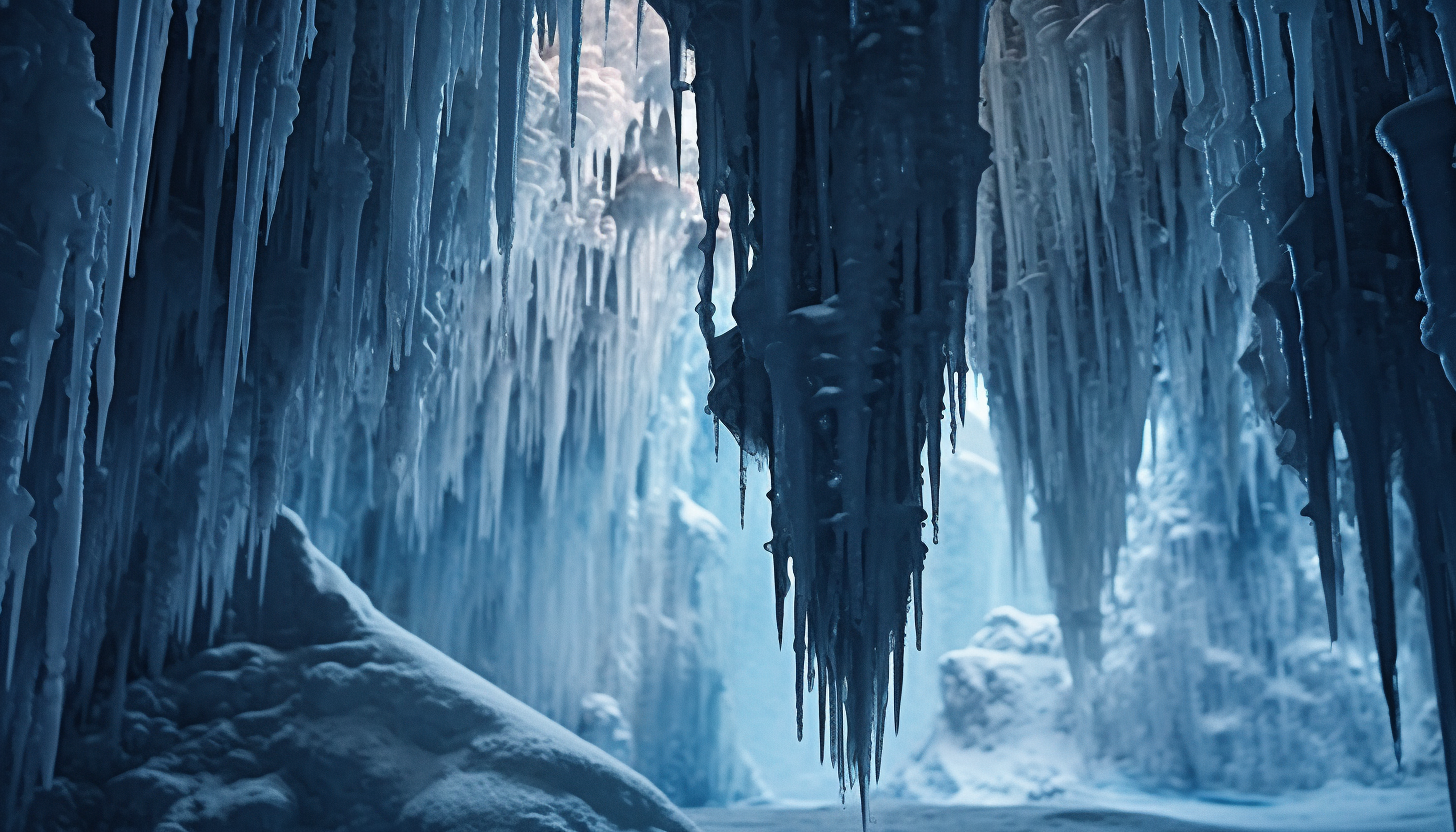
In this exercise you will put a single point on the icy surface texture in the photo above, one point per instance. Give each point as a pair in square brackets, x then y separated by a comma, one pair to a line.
[1063, 308]
[1219, 675]
[842, 138]
[1337, 809]
[371, 275]
[1008, 629]
[1005, 733]
[412, 267]
[320, 712]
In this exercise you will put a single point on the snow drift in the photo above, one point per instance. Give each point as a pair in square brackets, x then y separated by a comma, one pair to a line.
[320, 712]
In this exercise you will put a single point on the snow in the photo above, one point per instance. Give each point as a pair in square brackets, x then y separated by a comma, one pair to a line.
[319, 711]
[1336, 807]
[1202, 688]
[1339, 810]
[1005, 733]
[1009, 735]
[603, 725]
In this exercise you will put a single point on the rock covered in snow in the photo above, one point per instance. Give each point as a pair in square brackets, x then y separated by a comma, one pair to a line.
[1010, 629]
[324, 714]
[1004, 733]
[603, 725]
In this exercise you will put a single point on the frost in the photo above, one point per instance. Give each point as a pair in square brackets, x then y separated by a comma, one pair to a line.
[321, 711]
[1004, 732]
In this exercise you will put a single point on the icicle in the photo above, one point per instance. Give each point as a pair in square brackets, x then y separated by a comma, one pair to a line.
[1301, 47]
[641, 10]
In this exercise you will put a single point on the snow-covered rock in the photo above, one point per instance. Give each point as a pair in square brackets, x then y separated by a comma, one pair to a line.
[1004, 732]
[320, 713]
[603, 725]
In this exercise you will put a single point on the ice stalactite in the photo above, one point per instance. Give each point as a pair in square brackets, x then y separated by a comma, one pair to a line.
[1171, 183]
[1064, 282]
[55, 231]
[1097, 273]
[1419, 136]
[847, 150]
[394, 266]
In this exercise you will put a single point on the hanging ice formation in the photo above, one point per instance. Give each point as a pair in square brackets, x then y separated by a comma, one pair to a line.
[393, 264]
[1218, 672]
[1139, 181]
[1172, 183]
[845, 145]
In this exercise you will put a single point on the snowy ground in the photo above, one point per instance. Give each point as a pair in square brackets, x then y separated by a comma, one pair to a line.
[1333, 809]
[912, 817]
[1338, 807]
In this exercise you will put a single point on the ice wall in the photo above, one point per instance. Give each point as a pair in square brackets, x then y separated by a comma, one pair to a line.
[1218, 673]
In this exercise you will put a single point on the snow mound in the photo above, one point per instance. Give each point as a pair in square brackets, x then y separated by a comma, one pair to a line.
[1004, 732]
[1011, 630]
[331, 716]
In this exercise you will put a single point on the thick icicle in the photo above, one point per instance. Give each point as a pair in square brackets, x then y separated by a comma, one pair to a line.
[841, 408]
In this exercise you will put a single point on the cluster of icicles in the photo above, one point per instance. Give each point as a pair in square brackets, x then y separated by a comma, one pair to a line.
[383, 263]
[845, 147]
[407, 270]
[1164, 196]
[1165, 192]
